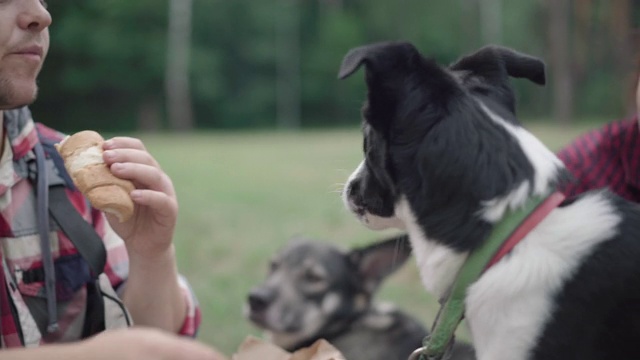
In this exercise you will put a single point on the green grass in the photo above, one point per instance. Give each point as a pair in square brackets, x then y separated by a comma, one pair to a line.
[243, 195]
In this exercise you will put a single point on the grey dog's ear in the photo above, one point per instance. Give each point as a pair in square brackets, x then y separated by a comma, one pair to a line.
[384, 52]
[515, 64]
[379, 260]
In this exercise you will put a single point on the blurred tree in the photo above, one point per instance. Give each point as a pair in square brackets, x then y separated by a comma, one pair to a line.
[560, 59]
[288, 64]
[621, 30]
[177, 85]
[234, 70]
[259, 64]
[491, 21]
[105, 64]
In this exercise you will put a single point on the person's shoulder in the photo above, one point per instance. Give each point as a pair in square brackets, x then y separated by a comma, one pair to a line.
[604, 138]
[620, 127]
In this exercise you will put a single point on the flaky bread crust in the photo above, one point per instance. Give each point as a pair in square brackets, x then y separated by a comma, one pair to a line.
[82, 154]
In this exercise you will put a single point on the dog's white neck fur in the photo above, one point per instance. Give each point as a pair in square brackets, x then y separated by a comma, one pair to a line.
[438, 264]
[514, 298]
[545, 164]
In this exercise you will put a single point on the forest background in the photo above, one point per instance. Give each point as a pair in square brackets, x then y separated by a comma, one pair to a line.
[146, 65]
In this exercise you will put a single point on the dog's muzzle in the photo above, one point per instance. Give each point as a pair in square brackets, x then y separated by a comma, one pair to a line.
[366, 201]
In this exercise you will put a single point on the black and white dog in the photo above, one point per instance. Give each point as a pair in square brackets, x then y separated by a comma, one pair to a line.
[317, 290]
[446, 159]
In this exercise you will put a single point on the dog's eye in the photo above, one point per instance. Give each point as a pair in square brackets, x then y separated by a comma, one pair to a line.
[273, 266]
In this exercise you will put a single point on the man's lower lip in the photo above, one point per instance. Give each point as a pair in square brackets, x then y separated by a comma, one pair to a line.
[29, 56]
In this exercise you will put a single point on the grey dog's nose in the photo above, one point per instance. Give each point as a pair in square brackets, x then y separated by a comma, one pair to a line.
[260, 298]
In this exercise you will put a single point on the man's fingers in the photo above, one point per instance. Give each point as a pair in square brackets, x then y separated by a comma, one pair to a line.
[129, 155]
[121, 142]
[164, 205]
[186, 349]
[144, 176]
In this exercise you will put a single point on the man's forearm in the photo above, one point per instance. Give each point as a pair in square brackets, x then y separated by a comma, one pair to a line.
[152, 293]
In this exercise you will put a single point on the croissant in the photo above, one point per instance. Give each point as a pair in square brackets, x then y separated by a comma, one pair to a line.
[82, 154]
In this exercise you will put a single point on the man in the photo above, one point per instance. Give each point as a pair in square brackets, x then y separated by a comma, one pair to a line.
[607, 157]
[148, 283]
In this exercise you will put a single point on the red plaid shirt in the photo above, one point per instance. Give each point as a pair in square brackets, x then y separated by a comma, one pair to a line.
[606, 157]
[20, 249]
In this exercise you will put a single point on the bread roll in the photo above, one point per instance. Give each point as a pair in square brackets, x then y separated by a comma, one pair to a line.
[82, 154]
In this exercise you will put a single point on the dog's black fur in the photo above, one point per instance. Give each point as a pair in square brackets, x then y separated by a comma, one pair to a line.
[426, 112]
[446, 141]
[316, 277]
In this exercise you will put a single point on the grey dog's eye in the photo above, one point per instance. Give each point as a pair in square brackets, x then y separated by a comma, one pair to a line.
[273, 266]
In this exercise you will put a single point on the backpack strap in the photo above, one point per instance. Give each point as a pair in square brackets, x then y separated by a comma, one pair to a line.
[42, 204]
[83, 236]
[49, 148]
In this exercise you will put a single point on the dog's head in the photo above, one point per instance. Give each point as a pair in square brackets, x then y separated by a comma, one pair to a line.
[314, 288]
[442, 144]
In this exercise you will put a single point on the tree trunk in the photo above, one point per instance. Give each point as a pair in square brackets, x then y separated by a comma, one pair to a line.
[468, 24]
[560, 61]
[491, 21]
[583, 13]
[624, 49]
[288, 65]
[335, 3]
[177, 90]
[149, 115]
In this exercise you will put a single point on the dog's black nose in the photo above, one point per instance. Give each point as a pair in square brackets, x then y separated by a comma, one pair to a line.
[260, 298]
[354, 195]
[353, 188]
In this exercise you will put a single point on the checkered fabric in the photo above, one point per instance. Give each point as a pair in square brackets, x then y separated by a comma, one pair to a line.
[22, 299]
[606, 157]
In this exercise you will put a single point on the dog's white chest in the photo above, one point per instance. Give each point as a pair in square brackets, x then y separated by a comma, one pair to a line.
[438, 265]
[508, 307]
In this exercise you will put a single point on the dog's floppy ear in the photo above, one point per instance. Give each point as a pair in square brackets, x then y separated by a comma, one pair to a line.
[515, 64]
[379, 260]
[372, 54]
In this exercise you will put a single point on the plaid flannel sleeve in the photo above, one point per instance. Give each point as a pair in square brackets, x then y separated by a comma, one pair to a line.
[194, 317]
[584, 157]
[117, 269]
[607, 157]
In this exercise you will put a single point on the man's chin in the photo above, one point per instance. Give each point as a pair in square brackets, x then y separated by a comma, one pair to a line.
[16, 97]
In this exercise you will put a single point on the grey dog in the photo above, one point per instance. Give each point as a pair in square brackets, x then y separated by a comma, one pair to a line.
[316, 290]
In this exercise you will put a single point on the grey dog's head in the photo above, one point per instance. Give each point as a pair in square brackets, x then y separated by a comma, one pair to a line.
[314, 287]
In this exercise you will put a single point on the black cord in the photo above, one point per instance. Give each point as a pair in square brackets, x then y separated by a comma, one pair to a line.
[120, 304]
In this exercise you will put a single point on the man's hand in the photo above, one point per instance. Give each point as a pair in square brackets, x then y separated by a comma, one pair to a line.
[150, 231]
[122, 344]
[152, 293]
[146, 344]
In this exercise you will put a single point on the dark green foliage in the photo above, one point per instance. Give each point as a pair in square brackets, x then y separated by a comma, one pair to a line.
[107, 58]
